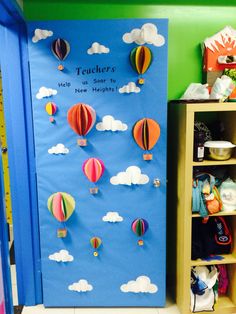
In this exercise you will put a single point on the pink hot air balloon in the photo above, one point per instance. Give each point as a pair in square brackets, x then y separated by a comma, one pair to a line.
[93, 168]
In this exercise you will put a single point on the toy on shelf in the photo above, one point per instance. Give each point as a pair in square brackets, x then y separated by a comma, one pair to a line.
[93, 169]
[51, 109]
[95, 243]
[146, 133]
[61, 205]
[60, 48]
[81, 118]
[139, 226]
[141, 59]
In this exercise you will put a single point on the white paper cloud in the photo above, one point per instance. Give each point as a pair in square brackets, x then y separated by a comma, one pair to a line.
[112, 217]
[132, 175]
[110, 124]
[142, 284]
[131, 87]
[61, 256]
[81, 286]
[45, 92]
[148, 34]
[97, 48]
[40, 34]
[58, 149]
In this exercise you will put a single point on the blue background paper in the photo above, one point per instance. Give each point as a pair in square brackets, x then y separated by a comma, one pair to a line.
[120, 258]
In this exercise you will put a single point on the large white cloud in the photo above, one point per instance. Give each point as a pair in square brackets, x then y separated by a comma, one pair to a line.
[58, 149]
[148, 34]
[81, 286]
[40, 34]
[45, 92]
[131, 87]
[112, 217]
[61, 256]
[142, 284]
[97, 48]
[110, 124]
[132, 175]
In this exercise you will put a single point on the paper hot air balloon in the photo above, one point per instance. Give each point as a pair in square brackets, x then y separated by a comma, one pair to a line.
[60, 48]
[141, 59]
[81, 118]
[95, 243]
[51, 109]
[146, 133]
[61, 205]
[93, 169]
[139, 226]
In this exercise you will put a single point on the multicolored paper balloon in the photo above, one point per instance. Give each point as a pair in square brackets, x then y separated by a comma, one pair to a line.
[139, 226]
[81, 118]
[51, 109]
[95, 243]
[93, 169]
[61, 205]
[141, 59]
[60, 48]
[146, 133]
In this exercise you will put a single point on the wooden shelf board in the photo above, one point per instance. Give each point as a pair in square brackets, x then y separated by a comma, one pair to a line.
[233, 213]
[211, 107]
[204, 163]
[228, 259]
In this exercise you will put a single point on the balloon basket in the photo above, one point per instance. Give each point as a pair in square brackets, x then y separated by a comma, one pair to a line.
[61, 233]
[52, 120]
[141, 81]
[140, 242]
[95, 254]
[93, 190]
[82, 142]
[147, 156]
[60, 67]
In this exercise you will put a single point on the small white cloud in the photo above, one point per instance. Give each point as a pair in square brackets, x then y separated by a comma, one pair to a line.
[61, 256]
[148, 34]
[97, 48]
[131, 87]
[81, 286]
[110, 124]
[112, 217]
[40, 34]
[132, 175]
[142, 284]
[58, 149]
[45, 92]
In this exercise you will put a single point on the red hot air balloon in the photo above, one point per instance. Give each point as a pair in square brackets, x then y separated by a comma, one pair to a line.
[139, 226]
[60, 48]
[93, 169]
[146, 133]
[95, 243]
[81, 118]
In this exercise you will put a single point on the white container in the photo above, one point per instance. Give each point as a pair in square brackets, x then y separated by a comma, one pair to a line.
[219, 150]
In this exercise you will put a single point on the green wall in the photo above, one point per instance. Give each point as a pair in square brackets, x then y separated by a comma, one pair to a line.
[189, 25]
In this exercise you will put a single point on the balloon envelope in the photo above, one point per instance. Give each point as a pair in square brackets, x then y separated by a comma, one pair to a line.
[51, 108]
[141, 59]
[139, 226]
[93, 168]
[61, 205]
[95, 242]
[60, 48]
[146, 133]
[81, 118]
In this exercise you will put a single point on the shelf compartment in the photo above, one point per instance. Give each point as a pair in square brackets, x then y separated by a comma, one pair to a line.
[228, 259]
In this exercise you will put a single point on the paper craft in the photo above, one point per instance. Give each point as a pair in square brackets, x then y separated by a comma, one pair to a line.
[130, 88]
[51, 109]
[60, 48]
[95, 243]
[132, 175]
[59, 149]
[61, 256]
[81, 118]
[40, 34]
[81, 286]
[141, 59]
[110, 124]
[146, 133]
[139, 226]
[97, 48]
[93, 169]
[142, 284]
[45, 92]
[112, 217]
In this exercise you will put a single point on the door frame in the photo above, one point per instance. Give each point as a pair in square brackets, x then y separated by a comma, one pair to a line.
[20, 139]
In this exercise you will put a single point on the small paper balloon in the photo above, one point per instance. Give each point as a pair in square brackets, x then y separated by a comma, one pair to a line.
[60, 48]
[141, 59]
[51, 109]
[139, 226]
[146, 133]
[81, 118]
[95, 243]
[93, 169]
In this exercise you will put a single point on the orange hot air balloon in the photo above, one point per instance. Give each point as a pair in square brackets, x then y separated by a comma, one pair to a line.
[81, 118]
[141, 59]
[146, 133]
[93, 169]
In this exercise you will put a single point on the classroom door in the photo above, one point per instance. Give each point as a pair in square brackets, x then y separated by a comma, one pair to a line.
[99, 103]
